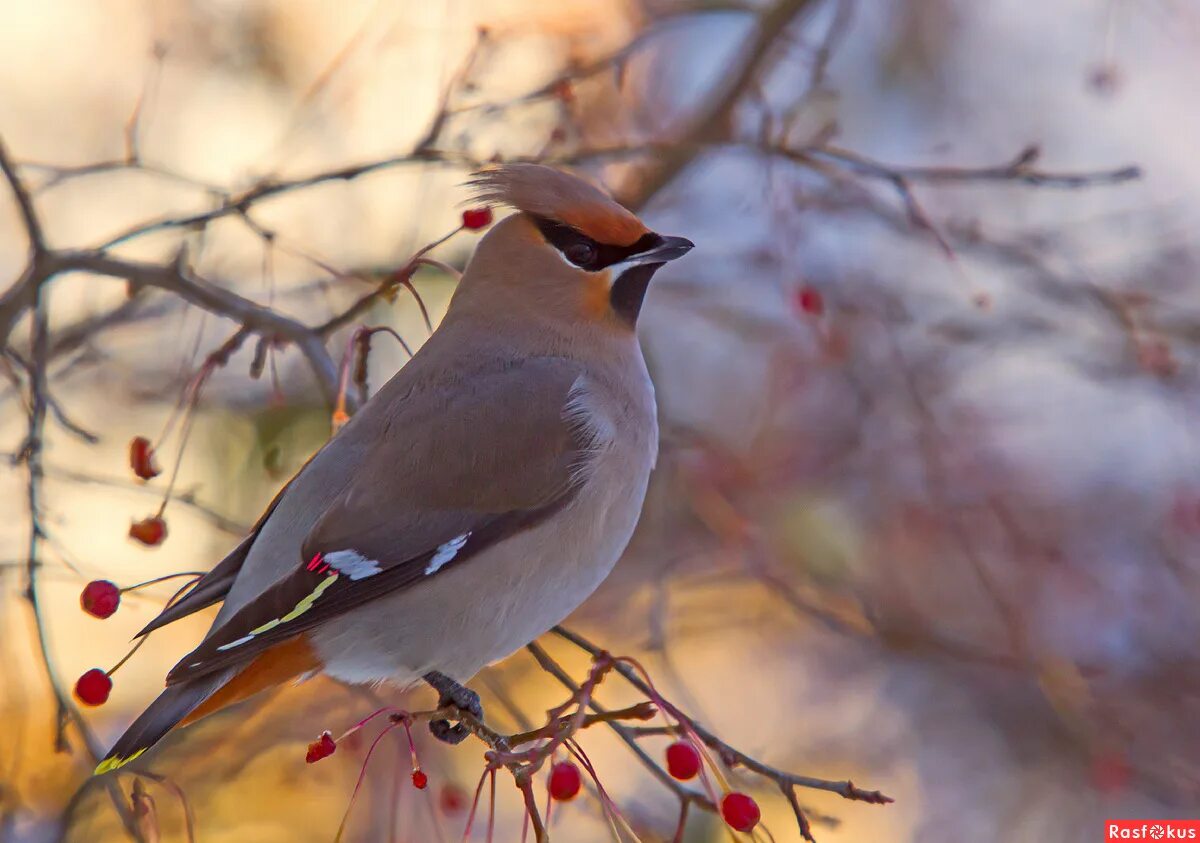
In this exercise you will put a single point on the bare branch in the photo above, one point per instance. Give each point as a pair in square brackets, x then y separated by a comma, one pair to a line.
[175, 278]
[733, 757]
[712, 122]
[268, 188]
[29, 217]
[1020, 169]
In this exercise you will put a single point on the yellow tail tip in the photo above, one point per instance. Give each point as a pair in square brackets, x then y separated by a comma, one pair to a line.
[114, 763]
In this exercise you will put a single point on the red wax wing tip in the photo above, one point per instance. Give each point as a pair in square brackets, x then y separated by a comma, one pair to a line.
[322, 747]
[476, 218]
[141, 458]
[100, 598]
[810, 301]
[93, 687]
[683, 761]
[419, 779]
[150, 531]
[565, 781]
[740, 811]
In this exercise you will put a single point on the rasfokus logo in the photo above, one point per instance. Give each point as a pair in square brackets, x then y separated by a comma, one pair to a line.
[1151, 830]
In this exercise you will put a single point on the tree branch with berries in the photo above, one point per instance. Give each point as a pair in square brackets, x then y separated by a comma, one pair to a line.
[697, 768]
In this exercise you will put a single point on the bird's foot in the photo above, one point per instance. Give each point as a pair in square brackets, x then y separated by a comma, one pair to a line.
[458, 695]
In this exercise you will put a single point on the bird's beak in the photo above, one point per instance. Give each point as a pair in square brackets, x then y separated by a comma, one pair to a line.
[670, 249]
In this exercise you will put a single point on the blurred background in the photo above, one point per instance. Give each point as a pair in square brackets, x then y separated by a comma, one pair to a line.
[927, 511]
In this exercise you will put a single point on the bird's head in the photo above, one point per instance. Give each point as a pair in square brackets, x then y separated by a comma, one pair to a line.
[570, 253]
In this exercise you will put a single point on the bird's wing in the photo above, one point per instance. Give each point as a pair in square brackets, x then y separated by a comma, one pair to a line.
[453, 473]
[215, 584]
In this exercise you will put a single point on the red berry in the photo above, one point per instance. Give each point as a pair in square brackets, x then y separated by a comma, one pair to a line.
[322, 747]
[810, 301]
[149, 531]
[477, 218]
[565, 781]
[100, 598]
[141, 458]
[93, 687]
[420, 780]
[683, 761]
[740, 811]
[452, 799]
[1110, 772]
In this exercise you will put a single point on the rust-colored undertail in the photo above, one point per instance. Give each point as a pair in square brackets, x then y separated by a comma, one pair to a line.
[187, 702]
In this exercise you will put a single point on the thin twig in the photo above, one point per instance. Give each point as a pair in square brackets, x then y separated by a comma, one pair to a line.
[731, 756]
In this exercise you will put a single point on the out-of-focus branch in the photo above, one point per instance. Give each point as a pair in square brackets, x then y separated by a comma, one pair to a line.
[31, 455]
[267, 188]
[562, 724]
[786, 782]
[1020, 169]
[31, 450]
[627, 734]
[177, 279]
[731, 756]
[523, 754]
[186, 498]
[29, 217]
[712, 122]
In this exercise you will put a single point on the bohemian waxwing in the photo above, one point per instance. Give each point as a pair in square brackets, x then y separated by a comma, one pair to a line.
[471, 504]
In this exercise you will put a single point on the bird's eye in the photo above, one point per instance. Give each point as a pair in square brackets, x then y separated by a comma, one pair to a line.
[580, 254]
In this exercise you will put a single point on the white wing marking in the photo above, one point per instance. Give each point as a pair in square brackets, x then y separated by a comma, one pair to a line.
[233, 644]
[352, 563]
[445, 553]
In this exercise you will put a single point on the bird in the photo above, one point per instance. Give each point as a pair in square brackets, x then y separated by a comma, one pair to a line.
[474, 501]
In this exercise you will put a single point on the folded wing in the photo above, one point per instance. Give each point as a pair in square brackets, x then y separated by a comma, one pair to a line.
[453, 474]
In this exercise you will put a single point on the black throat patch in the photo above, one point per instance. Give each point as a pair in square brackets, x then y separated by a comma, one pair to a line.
[629, 290]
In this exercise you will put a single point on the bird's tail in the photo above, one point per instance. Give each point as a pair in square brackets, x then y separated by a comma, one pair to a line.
[190, 700]
[164, 714]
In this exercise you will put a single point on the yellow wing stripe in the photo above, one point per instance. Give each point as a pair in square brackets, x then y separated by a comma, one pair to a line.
[115, 763]
[301, 607]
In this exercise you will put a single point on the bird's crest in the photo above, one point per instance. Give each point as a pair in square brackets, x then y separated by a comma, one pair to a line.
[560, 196]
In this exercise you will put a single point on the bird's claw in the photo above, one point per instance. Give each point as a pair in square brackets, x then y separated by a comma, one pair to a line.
[449, 733]
[452, 693]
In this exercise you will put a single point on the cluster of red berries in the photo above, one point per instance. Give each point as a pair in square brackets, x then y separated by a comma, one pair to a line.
[152, 530]
[325, 745]
[100, 599]
[739, 810]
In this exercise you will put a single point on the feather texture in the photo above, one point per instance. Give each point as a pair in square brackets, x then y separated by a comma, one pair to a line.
[559, 196]
[418, 507]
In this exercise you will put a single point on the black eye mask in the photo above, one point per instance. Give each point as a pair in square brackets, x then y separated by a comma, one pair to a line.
[585, 252]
